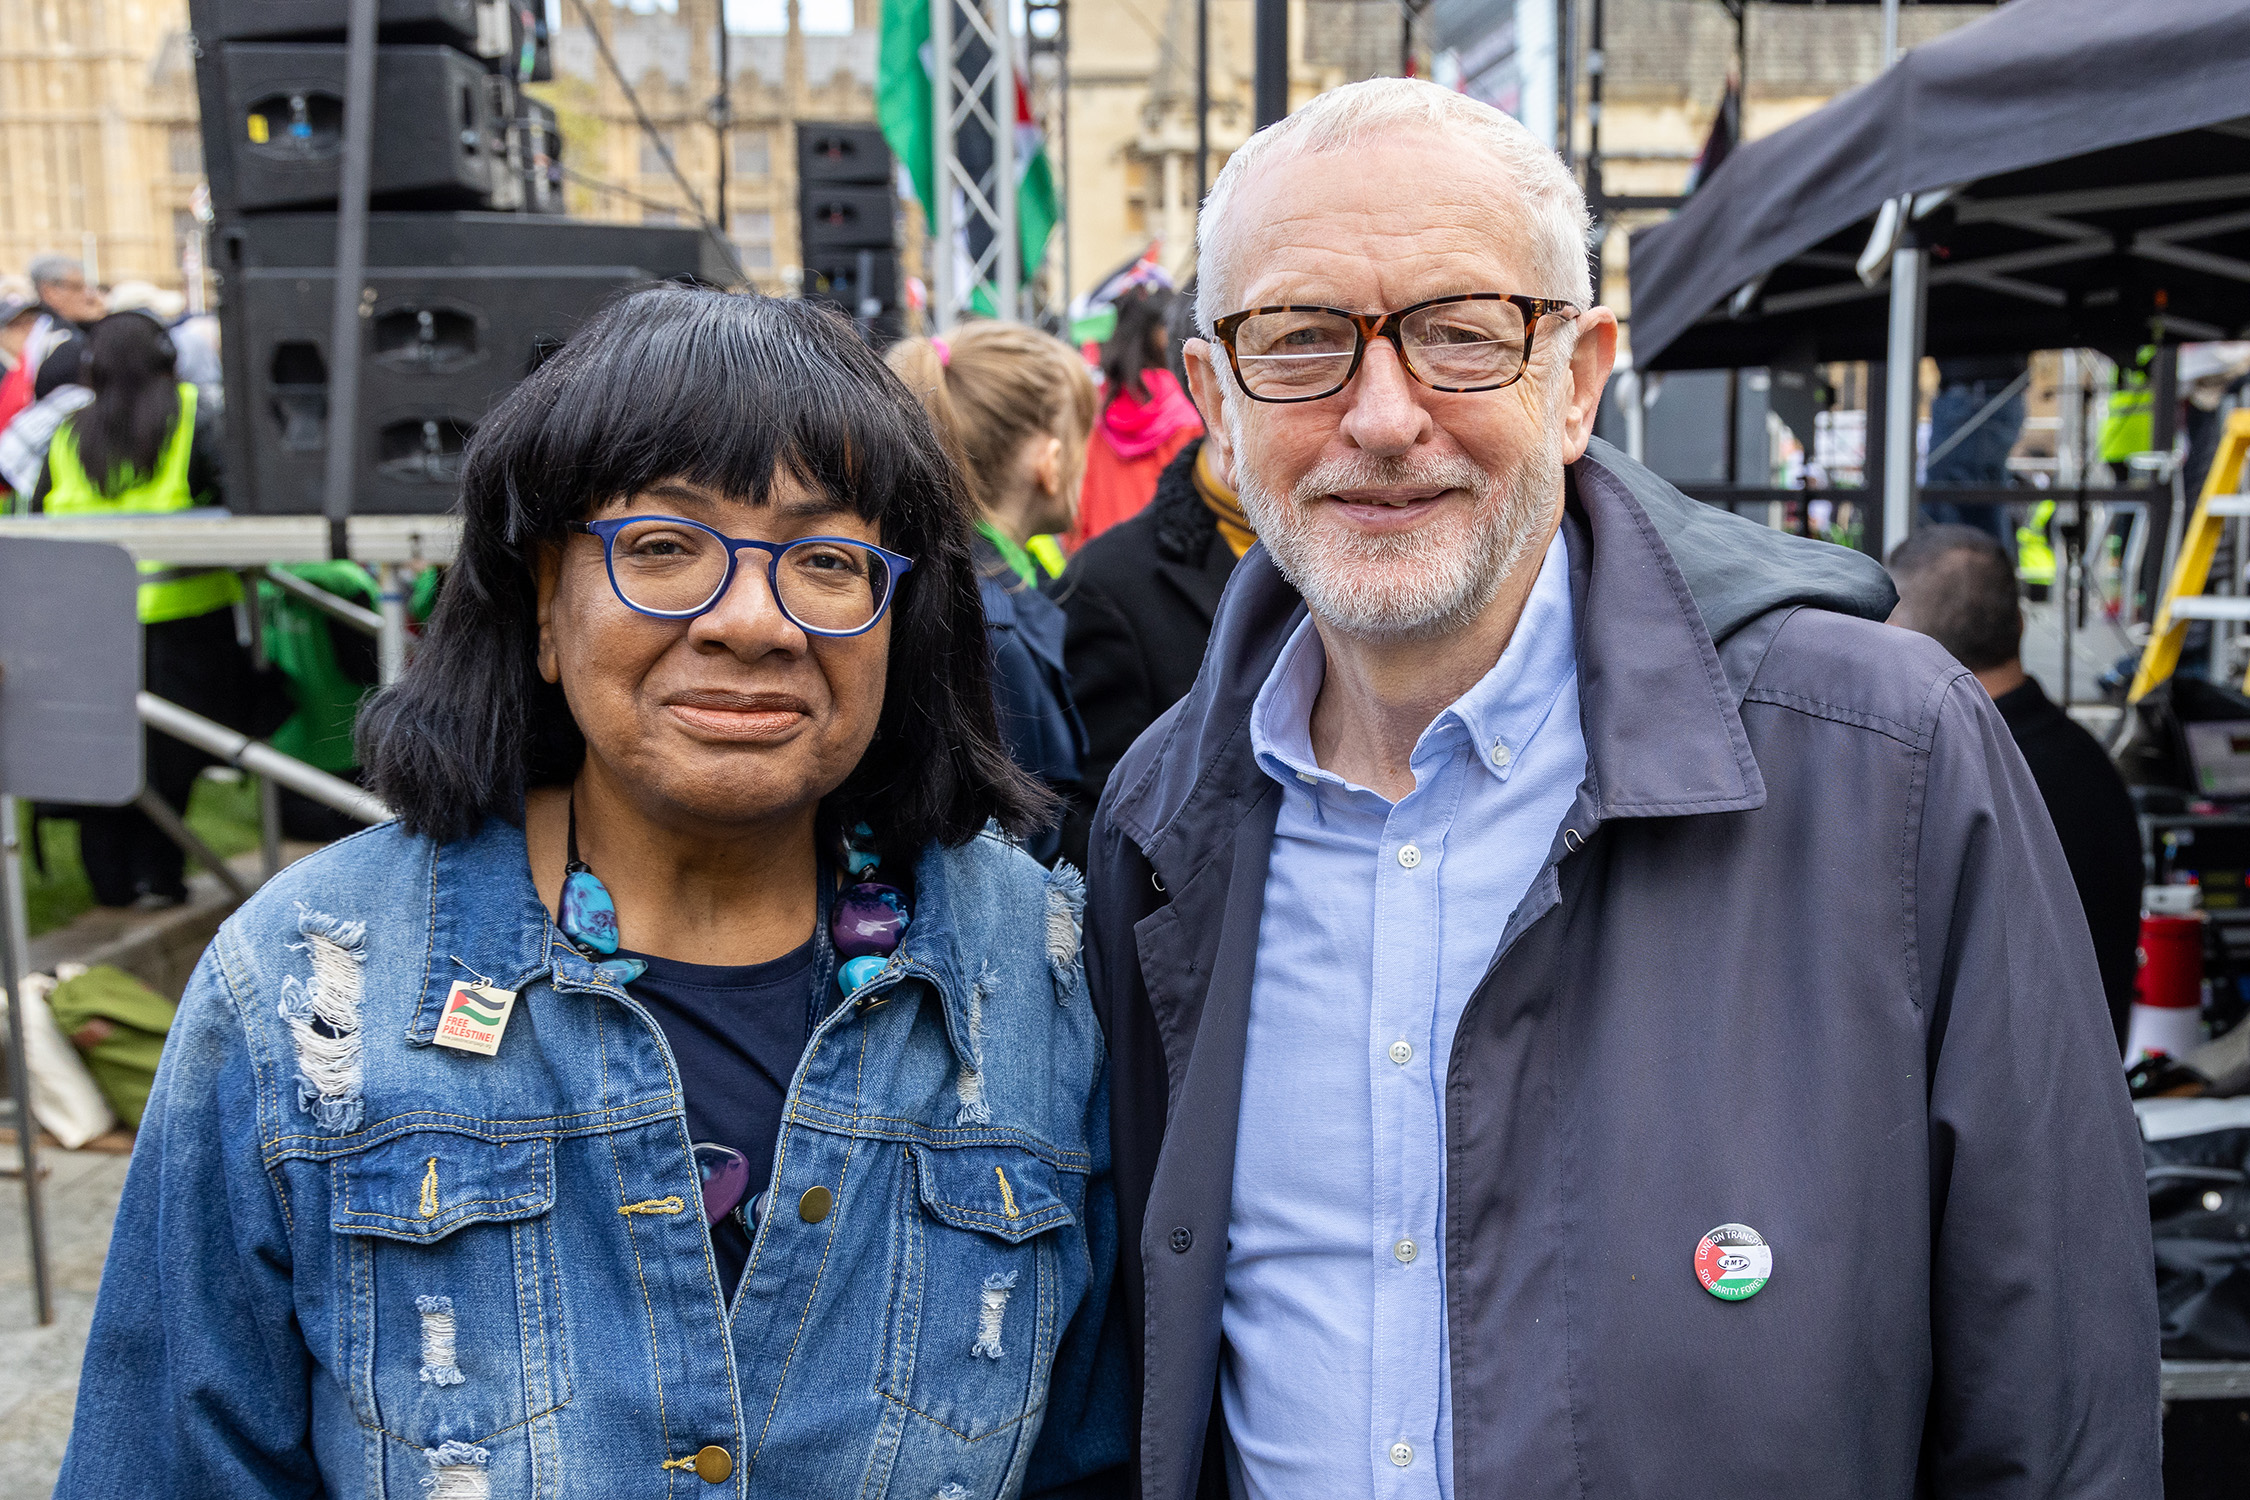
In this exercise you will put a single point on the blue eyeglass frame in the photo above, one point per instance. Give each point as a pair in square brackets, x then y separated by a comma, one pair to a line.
[607, 530]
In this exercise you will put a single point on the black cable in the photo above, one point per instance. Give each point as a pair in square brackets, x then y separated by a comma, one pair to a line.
[663, 148]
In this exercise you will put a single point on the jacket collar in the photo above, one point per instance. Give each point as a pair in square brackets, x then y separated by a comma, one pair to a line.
[487, 922]
[1658, 582]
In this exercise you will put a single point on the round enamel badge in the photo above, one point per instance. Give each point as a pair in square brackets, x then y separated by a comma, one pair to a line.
[1733, 1261]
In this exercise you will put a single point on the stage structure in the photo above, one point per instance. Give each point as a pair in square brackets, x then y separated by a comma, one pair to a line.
[973, 78]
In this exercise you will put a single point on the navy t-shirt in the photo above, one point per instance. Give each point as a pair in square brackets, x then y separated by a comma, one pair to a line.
[737, 1032]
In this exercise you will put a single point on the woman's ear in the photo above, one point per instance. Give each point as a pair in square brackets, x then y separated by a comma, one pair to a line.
[1047, 469]
[546, 571]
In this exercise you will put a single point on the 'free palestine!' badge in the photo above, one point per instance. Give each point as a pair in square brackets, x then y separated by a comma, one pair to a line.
[474, 1016]
[1733, 1261]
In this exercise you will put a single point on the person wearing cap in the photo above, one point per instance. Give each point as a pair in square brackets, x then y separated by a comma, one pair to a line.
[1592, 1011]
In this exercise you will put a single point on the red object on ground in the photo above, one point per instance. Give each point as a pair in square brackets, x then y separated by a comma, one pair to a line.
[1131, 444]
[2171, 973]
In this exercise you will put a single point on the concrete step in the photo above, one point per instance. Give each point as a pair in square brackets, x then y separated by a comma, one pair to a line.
[159, 948]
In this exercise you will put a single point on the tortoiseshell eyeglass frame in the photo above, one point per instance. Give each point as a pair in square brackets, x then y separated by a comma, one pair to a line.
[1386, 326]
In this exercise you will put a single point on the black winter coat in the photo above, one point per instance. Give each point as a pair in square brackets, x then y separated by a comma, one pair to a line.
[1140, 598]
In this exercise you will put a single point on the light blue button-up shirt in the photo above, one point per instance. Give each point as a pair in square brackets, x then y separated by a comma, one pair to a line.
[1335, 1380]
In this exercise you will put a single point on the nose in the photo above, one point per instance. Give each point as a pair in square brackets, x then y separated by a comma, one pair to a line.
[748, 620]
[1386, 416]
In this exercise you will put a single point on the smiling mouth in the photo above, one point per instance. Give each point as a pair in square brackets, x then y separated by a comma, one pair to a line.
[740, 716]
[1385, 508]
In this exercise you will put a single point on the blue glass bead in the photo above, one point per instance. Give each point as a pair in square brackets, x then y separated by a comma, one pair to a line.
[869, 920]
[588, 915]
[621, 971]
[858, 972]
[856, 858]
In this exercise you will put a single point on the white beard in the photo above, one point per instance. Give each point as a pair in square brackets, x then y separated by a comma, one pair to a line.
[1416, 585]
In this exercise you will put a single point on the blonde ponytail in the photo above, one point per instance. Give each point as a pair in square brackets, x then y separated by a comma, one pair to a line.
[989, 388]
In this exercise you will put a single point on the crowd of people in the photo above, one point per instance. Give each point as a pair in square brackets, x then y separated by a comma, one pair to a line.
[1558, 945]
[111, 405]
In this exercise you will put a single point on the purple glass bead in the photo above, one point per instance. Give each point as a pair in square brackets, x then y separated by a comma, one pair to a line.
[726, 1178]
[868, 922]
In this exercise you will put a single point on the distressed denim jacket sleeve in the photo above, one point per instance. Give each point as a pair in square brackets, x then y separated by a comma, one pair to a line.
[196, 1373]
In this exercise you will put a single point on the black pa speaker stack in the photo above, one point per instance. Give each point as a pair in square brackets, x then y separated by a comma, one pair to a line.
[473, 275]
[847, 210]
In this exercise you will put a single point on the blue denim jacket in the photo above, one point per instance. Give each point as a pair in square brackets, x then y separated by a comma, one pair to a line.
[349, 1261]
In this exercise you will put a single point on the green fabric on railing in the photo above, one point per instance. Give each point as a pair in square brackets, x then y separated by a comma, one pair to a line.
[298, 643]
[118, 1024]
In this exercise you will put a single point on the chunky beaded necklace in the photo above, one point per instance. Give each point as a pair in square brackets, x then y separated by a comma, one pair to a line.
[866, 922]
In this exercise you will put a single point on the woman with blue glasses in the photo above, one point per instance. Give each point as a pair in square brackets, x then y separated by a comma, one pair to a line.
[696, 1085]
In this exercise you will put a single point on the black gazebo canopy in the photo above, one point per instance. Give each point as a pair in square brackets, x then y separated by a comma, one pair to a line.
[2074, 168]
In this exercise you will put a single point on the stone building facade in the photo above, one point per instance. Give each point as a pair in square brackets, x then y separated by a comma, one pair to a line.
[616, 172]
[99, 155]
[1131, 150]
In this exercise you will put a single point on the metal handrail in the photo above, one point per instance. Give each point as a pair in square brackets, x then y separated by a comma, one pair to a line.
[358, 616]
[261, 759]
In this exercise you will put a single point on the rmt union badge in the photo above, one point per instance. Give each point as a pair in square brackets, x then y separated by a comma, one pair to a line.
[1733, 1261]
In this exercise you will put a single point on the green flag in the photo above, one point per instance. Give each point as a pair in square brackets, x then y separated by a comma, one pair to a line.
[905, 106]
[904, 103]
[1035, 189]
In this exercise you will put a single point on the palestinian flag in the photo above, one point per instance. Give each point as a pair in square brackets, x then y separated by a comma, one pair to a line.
[906, 108]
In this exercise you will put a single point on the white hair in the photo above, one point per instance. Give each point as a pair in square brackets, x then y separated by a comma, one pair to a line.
[49, 269]
[1341, 119]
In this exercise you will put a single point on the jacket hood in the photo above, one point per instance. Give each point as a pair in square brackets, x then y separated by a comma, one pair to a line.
[1659, 582]
[1736, 569]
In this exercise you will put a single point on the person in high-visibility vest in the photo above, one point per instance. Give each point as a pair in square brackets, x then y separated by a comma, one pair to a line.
[142, 447]
[2035, 555]
[2130, 426]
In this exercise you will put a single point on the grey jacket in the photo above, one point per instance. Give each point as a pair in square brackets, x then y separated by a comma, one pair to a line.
[1804, 956]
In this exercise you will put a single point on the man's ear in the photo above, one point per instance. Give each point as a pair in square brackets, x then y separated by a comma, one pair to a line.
[546, 573]
[1210, 399]
[1591, 359]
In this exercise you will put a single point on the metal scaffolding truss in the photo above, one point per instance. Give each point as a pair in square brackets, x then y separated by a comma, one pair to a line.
[973, 77]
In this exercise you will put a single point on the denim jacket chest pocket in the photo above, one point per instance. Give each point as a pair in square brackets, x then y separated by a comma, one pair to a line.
[979, 1284]
[448, 1284]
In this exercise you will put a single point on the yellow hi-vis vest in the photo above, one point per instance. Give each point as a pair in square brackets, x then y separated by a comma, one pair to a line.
[2035, 557]
[2130, 426]
[166, 592]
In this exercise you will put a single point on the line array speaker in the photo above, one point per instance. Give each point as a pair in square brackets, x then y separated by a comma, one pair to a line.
[843, 152]
[441, 134]
[453, 22]
[847, 215]
[459, 308]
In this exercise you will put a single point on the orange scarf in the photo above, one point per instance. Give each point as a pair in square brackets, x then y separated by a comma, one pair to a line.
[1233, 525]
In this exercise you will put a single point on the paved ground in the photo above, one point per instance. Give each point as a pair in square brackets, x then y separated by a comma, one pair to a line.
[39, 1366]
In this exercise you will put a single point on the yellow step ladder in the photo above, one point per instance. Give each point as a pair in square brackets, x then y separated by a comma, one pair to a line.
[2223, 500]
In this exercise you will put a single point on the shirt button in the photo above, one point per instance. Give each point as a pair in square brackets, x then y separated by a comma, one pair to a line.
[1405, 1251]
[1500, 755]
[1402, 1454]
[1402, 1053]
[814, 1205]
[1409, 856]
[714, 1465]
